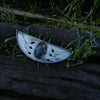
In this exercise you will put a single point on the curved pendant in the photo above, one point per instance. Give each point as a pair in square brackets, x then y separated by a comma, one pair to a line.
[40, 50]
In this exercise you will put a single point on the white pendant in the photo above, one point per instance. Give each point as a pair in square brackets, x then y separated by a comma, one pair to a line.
[40, 50]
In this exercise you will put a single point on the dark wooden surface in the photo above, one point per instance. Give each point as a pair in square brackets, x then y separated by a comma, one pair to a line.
[57, 36]
[21, 79]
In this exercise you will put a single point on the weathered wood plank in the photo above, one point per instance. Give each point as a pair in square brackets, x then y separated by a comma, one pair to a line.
[56, 82]
[57, 36]
[27, 14]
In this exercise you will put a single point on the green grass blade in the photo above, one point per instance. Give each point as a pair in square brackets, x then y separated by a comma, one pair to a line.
[72, 42]
[11, 38]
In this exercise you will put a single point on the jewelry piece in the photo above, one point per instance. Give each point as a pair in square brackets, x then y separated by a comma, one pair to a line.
[39, 50]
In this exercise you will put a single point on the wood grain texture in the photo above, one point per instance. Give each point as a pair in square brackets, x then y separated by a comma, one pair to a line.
[57, 36]
[21, 78]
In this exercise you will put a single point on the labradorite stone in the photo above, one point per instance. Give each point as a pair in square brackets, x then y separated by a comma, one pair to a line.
[40, 50]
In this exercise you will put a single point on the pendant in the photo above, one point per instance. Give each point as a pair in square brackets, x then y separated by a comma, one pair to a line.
[39, 50]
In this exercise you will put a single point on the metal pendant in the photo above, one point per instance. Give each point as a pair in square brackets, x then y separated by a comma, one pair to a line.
[39, 50]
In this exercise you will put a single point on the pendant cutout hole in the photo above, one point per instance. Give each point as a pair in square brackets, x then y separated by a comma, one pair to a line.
[32, 42]
[29, 52]
[48, 59]
[52, 50]
[30, 47]
[50, 54]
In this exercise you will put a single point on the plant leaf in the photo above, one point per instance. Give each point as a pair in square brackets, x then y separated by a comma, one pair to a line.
[11, 38]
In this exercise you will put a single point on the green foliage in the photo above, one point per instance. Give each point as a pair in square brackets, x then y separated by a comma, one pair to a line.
[73, 12]
[8, 39]
[25, 19]
[27, 31]
[33, 7]
[7, 16]
[38, 65]
[74, 41]
[9, 49]
[82, 53]
[14, 37]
